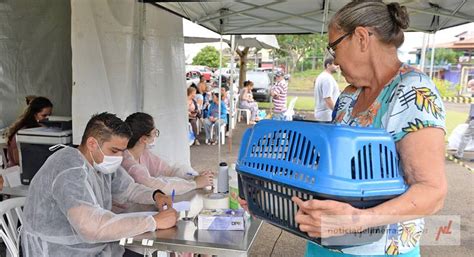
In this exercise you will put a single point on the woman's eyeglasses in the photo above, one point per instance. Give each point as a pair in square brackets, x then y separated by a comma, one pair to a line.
[155, 132]
[331, 47]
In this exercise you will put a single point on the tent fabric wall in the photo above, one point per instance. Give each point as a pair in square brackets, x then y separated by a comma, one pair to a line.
[35, 55]
[128, 57]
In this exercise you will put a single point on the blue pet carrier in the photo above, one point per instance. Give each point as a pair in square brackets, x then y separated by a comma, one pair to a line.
[279, 159]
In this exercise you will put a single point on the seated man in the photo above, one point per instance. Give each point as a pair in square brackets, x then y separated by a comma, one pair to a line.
[67, 211]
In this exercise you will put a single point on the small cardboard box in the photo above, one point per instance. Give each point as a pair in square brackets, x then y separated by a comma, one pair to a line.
[221, 219]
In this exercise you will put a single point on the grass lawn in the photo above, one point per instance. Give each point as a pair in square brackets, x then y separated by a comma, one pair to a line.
[453, 119]
[304, 81]
[306, 103]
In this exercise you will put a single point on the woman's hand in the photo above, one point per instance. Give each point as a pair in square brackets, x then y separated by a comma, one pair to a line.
[327, 218]
[244, 205]
[204, 180]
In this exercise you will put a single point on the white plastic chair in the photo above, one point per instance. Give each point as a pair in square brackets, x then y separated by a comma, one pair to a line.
[198, 125]
[241, 111]
[290, 110]
[11, 176]
[221, 132]
[11, 212]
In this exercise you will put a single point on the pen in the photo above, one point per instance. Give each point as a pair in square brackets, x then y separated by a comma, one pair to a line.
[172, 196]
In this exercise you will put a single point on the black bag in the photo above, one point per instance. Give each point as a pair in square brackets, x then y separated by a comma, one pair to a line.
[198, 115]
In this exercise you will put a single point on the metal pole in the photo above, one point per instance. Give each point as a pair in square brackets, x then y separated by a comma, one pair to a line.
[231, 79]
[219, 105]
[432, 55]
[273, 66]
[325, 15]
[141, 42]
[256, 58]
[423, 52]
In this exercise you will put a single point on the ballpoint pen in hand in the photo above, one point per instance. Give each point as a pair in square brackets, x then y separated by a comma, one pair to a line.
[172, 196]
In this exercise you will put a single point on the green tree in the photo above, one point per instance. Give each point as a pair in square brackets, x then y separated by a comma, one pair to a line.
[298, 47]
[208, 56]
[444, 56]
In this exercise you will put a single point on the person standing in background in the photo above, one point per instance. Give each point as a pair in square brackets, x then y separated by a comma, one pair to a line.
[469, 133]
[279, 93]
[326, 92]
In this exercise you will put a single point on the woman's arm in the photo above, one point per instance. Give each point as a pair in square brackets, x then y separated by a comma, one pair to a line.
[422, 158]
[13, 150]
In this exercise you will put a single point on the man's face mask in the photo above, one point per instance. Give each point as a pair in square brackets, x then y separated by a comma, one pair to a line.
[110, 163]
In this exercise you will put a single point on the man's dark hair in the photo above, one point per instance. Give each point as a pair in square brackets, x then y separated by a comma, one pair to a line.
[328, 61]
[105, 125]
[141, 124]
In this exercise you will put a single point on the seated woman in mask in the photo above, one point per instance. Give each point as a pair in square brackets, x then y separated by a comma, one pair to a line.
[38, 109]
[150, 170]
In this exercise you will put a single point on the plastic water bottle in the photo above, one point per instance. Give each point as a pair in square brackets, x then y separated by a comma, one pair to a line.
[233, 188]
[223, 178]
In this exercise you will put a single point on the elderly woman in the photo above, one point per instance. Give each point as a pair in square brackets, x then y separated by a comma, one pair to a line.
[383, 93]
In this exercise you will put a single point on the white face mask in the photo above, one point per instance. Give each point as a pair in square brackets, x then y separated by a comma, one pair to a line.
[109, 165]
[152, 144]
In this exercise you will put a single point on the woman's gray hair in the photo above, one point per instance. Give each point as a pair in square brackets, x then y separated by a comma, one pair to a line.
[388, 20]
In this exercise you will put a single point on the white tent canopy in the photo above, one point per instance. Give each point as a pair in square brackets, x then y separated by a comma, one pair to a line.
[307, 16]
[194, 33]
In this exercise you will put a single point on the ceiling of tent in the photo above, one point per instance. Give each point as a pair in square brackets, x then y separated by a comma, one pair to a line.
[306, 16]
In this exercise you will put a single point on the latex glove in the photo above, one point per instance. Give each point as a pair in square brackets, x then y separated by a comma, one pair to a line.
[162, 200]
[204, 180]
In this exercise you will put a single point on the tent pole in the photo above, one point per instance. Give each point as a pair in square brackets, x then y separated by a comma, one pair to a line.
[231, 80]
[141, 42]
[433, 48]
[219, 100]
[273, 65]
[423, 53]
[325, 15]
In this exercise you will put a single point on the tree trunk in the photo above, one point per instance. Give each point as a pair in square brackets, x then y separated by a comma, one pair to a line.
[243, 66]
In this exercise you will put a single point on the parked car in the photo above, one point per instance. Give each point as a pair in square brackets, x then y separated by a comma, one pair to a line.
[226, 72]
[261, 85]
[204, 70]
[192, 76]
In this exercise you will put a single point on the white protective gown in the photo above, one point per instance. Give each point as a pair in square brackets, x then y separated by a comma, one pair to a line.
[67, 211]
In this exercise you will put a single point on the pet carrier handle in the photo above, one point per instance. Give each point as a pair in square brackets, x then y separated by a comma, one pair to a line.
[241, 187]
